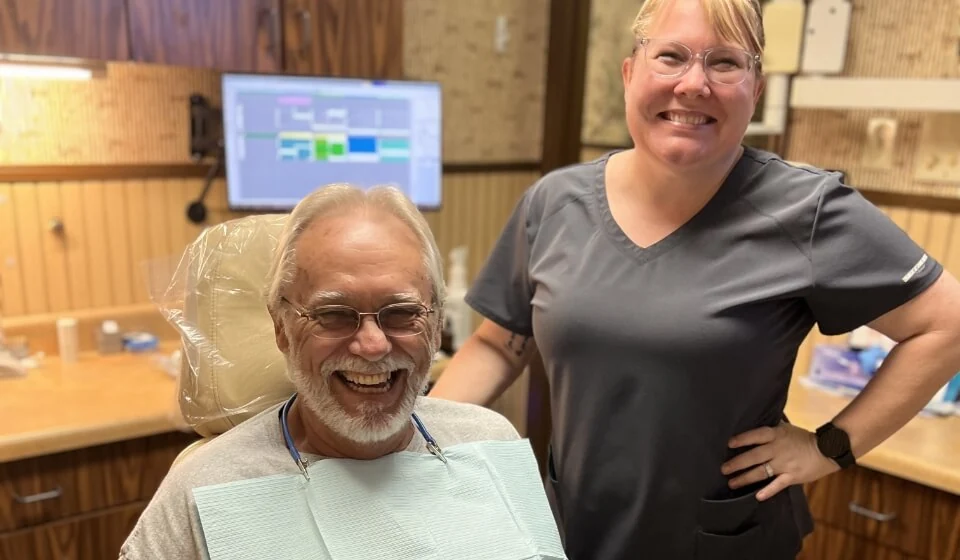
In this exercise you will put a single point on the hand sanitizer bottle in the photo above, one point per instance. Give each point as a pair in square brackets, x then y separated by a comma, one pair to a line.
[458, 313]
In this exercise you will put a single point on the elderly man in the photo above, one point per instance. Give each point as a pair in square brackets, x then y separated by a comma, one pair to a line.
[356, 299]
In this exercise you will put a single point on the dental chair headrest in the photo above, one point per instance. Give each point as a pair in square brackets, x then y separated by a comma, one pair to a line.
[231, 367]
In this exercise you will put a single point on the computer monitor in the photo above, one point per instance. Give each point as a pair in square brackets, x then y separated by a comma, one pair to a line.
[284, 136]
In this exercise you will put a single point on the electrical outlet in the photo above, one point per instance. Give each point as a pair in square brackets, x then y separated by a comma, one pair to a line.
[501, 35]
[880, 141]
[938, 152]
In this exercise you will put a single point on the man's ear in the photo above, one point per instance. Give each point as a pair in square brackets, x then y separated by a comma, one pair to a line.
[283, 343]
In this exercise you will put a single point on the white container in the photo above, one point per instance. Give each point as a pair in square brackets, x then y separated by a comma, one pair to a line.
[458, 314]
[68, 339]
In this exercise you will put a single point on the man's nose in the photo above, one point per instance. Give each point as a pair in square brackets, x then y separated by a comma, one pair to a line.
[694, 81]
[369, 342]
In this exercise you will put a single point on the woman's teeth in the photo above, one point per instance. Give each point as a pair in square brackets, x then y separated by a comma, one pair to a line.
[368, 382]
[686, 118]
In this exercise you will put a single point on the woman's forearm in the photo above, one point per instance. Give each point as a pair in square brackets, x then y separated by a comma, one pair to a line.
[908, 378]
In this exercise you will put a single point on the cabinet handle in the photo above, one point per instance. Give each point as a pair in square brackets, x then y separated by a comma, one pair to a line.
[273, 22]
[41, 497]
[870, 514]
[306, 32]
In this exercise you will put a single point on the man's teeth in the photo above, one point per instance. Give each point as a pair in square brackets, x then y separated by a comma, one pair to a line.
[687, 118]
[368, 382]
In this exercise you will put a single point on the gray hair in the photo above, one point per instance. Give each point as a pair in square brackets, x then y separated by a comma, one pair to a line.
[336, 199]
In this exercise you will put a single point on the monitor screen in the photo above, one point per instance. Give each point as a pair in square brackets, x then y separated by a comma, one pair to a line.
[284, 136]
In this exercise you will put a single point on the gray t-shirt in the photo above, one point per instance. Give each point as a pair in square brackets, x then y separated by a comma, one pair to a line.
[657, 356]
[170, 527]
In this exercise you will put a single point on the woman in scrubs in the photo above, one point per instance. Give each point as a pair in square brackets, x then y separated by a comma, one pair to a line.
[668, 288]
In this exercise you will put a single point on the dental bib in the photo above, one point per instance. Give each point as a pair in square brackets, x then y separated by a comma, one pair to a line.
[486, 502]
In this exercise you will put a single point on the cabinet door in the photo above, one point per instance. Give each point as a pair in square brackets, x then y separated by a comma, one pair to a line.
[80, 28]
[229, 35]
[353, 38]
[96, 537]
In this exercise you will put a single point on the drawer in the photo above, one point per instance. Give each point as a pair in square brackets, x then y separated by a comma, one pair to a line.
[885, 509]
[829, 543]
[91, 537]
[53, 487]
[945, 527]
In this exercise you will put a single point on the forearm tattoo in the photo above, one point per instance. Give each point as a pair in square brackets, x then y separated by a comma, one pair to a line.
[517, 344]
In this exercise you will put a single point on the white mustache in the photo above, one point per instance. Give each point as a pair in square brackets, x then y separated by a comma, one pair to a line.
[359, 365]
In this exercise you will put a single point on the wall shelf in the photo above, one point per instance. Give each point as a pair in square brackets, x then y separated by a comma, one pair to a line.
[928, 95]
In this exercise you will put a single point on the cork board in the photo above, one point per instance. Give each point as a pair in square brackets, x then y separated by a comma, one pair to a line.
[888, 39]
[492, 101]
[136, 114]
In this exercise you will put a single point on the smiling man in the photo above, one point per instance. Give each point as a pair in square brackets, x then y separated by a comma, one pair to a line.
[356, 296]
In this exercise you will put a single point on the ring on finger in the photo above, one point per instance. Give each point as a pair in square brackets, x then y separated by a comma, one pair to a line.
[768, 469]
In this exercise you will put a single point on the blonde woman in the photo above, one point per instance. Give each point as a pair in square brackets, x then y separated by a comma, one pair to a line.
[668, 287]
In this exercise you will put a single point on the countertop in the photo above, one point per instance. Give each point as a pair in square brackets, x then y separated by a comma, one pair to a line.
[102, 399]
[926, 450]
[96, 400]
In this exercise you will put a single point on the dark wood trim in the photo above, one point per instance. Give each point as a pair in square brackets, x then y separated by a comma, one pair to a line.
[492, 167]
[563, 110]
[41, 173]
[918, 201]
[38, 173]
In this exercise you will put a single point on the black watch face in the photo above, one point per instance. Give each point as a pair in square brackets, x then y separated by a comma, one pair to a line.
[832, 443]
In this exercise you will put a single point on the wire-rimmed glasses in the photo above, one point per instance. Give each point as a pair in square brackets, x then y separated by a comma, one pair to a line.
[333, 322]
[722, 65]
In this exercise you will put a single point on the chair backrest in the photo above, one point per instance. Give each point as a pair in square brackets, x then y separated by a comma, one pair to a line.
[231, 367]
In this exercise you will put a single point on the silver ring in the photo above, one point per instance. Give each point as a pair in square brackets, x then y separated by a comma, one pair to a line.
[768, 469]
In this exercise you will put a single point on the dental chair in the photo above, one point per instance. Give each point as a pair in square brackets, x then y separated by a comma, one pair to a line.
[231, 368]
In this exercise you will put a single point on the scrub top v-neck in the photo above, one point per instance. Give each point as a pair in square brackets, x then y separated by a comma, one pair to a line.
[657, 356]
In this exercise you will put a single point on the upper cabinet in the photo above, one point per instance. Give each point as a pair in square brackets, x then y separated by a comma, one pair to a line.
[81, 28]
[229, 35]
[356, 38]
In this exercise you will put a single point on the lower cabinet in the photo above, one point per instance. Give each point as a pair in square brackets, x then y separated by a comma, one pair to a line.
[861, 513]
[82, 504]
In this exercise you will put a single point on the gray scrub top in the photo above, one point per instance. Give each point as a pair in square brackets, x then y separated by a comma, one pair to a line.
[657, 356]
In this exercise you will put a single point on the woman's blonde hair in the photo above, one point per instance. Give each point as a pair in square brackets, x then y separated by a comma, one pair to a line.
[738, 21]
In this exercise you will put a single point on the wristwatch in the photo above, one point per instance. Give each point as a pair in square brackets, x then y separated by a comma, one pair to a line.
[834, 444]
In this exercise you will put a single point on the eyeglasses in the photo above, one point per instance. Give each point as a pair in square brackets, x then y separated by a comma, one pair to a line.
[334, 322]
[722, 65]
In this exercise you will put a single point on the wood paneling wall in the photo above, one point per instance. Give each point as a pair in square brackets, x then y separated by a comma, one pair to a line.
[113, 231]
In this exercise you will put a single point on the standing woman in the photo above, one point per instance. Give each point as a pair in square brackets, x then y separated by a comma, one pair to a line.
[668, 287]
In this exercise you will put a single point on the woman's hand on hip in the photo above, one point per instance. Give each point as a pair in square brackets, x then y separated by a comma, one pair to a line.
[785, 455]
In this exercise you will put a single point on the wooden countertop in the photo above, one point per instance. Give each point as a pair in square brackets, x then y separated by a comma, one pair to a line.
[102, 399]
[926, 450]
[97, 400]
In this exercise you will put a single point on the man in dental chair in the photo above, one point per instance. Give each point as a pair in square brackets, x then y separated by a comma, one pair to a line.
[356, 296]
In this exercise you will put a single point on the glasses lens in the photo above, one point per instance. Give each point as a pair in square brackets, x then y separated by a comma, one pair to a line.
[338, 322]
[666, 58]
[727, 66]
[402, 320]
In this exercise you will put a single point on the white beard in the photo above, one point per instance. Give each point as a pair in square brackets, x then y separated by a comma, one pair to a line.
[371, 424]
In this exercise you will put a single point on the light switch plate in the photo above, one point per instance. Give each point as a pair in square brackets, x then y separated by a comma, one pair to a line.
[825, 41]
[880, 140]
[938, 152]
[783, 23]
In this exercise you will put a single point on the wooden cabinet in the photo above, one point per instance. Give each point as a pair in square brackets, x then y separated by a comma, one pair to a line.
[230, 35]
[358, 38]
[860, 513]
[81, 504]
[81, 28]
[361, 38]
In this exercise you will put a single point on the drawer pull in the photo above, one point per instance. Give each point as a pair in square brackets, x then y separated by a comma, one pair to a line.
[870, 514]
[41, 497]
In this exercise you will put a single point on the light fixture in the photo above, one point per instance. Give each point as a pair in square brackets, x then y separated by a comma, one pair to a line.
[49, 67]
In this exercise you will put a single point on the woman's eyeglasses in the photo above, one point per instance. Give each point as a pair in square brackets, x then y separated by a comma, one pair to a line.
[722, 65]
